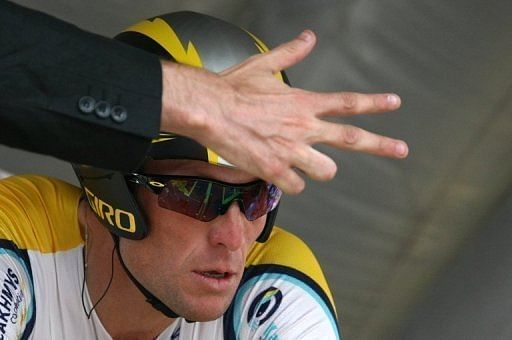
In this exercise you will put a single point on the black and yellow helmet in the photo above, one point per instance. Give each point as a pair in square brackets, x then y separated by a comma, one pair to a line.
[188, 38]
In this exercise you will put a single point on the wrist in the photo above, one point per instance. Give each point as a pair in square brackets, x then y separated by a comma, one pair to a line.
[182, 112]
[167, 100]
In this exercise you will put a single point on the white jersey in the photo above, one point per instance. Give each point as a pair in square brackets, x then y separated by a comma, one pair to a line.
[282, 295]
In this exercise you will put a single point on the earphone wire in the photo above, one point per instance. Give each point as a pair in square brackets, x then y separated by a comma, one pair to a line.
[85, 257]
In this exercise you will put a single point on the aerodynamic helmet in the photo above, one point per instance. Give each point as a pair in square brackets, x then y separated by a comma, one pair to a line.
[184, 37]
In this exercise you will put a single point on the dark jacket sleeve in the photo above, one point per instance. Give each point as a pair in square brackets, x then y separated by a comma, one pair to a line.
[47, 66]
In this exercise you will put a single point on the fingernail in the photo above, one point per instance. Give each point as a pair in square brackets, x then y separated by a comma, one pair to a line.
[306, 36]
[393, 99]
[401, 149]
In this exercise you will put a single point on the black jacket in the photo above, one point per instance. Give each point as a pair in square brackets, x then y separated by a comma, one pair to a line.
[52, 73]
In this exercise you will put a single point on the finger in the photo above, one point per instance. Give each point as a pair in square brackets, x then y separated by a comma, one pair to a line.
[288, 181]
[274, 169]
[352, 138]
[290, 53]
[314, 164]
[353, 103]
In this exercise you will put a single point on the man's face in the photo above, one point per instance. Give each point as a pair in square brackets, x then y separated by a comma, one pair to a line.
[193, 267]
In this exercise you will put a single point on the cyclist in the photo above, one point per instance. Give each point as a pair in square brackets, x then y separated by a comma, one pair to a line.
[183, 248]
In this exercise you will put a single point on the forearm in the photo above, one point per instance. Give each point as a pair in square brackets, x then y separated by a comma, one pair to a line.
[47, 65]
[190, 100]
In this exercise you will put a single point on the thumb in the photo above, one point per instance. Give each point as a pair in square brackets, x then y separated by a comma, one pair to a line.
[290, 53]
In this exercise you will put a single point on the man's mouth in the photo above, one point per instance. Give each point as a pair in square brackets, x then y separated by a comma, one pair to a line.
[215, 274]
[216, 280]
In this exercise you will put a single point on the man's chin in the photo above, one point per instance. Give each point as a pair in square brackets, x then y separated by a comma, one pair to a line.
[206, 312]
[201, 317]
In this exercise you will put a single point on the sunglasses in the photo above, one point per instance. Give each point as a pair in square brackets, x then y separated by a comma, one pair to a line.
[205, 199]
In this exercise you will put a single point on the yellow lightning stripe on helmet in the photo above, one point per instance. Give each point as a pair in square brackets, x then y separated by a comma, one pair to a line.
[163, 34]
[260, 45]
[163, 136]
[163, 139]
[213, 158]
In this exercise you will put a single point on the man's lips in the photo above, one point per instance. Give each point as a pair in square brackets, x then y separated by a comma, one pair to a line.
[216, 273]
[217, 279]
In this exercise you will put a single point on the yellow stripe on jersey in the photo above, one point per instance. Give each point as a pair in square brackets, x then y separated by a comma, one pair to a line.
[39, 213]
[284, 248]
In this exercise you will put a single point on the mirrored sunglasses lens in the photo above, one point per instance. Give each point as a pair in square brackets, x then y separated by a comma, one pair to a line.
[260, 199]
[190, 197]
[205, 200]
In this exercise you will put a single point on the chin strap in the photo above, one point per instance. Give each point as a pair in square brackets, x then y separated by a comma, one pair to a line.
[150, 298]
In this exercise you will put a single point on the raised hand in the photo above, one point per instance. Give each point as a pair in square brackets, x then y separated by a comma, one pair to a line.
[265, 127]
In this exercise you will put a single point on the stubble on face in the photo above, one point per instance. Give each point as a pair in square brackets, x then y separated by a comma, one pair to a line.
[180, 259]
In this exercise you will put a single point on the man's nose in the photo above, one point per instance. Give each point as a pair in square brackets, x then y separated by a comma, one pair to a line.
[229, 229]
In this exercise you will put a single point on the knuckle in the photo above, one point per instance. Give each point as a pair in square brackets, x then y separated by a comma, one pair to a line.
[299, 154]
[309, 129]
[255, 59]
[349, 101]
[291, 47]
[350, 135]
[299, 123]
[292, 121]
[302, 102]
[291, 51]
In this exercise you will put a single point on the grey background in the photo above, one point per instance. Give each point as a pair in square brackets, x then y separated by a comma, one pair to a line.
[412, 249]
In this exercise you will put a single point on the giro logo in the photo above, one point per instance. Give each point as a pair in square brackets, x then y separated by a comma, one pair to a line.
[118, 218]
[264, 306]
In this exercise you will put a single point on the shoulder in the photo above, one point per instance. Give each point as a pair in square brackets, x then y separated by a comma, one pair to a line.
[284, 294]
[32, 184]
[285, 252]
[39, 213]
